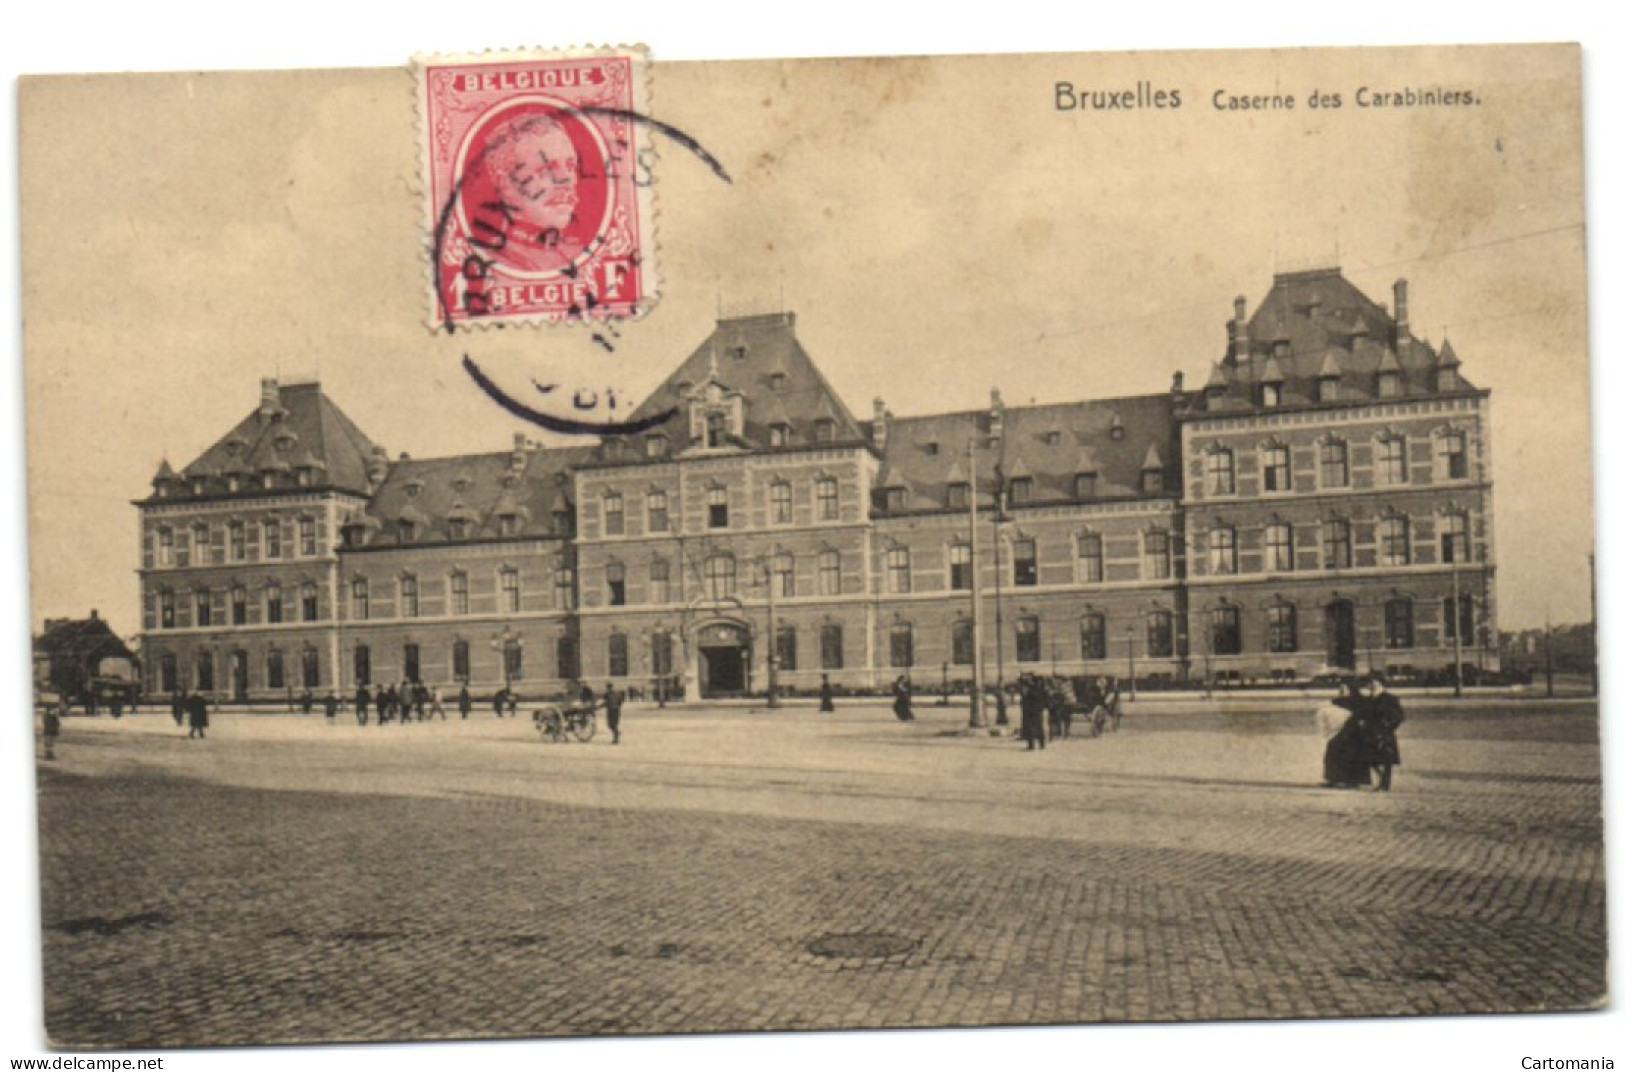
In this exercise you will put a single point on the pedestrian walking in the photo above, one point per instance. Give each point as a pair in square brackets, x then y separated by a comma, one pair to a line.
[197, 710]
[499, 701]
[1032, 711]
[465, 702]
[902, 704]
[306, 702]
[362, 697]
[1385, 715]
[435, 706]
[51, 729]
[612, 711]
[1342, 725]
[826, 696]
[330, 707]
[177, 708]
[513, 704]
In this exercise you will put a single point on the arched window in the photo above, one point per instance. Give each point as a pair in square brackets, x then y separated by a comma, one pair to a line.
[964, 642]
[959, 577]
[615, 584]
[1398, 624]
[1283, 628]
[779, 509]
[617, 655]
[1221, 472]
[898, 578]
[409, 596]
[1278, 557]
[1159, 634]
[1394, 536]
[720, 576]
[902, 645]
[1092, 635]
[829, 573]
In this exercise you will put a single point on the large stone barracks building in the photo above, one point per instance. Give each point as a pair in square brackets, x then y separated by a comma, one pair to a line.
[1323, 501]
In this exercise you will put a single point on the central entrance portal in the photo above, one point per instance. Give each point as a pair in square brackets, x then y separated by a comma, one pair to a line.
[724, 660]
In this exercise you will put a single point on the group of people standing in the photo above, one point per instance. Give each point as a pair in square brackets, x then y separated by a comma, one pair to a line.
[1361, 727]
[1048, 705]
[406, 702]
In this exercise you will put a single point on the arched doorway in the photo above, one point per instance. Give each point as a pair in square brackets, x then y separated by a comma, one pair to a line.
[1340, 635]
[724, 649]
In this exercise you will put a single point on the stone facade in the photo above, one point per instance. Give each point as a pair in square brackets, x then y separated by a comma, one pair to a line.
[1320, 504]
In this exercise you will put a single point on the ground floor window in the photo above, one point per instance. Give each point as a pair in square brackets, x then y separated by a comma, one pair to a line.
[964, 642]
[1398, 625]
[1159, 634]
[617, 655]
[205, 671]
[1093, 636]
[1283, 623]
[902, 645]
[829, 646]
[273, 670]
[168, 680]
[784, 647]
[1226, 630]
[1029, 641]
[363, 665]
[660, 649]
[411, 659]
[569, 658]
[313, 668]
[459, 660]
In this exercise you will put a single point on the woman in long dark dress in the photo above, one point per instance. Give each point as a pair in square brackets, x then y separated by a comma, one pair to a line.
[1346, 764]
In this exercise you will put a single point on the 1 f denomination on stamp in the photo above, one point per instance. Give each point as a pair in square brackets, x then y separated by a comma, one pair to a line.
[536, 173]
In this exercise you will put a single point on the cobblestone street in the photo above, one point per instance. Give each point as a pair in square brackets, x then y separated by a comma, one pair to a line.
[726, 870]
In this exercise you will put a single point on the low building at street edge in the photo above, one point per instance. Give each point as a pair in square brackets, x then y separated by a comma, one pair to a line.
[1321, 502]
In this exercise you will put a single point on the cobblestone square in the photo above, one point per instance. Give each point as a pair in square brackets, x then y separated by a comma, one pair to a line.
[723, 869]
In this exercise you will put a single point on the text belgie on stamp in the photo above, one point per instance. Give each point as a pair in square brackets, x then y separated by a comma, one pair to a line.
[537, 175]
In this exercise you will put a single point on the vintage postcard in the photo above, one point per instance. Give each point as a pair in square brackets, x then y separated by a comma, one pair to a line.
[576, 544]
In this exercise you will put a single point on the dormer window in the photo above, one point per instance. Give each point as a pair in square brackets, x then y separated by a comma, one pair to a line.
[823, 430]
[716, 429]
[932, 447]
[777, 381]
[1151, 480]
[508, 525]
[1282, 349]
[655, 446]
[778, 434]
[1449, 380]
[1269, 394]
[1021, 489]
[302, 476]
[613, 449]
[737, 353]
[197, 485]
[457, 529]
[1117, 431]
[1326, 389]
[1083, 485]
[1387, 385]
[408, 531]
[896, 499]
[958, 495]
[563, 523]
[268, 479]
[1051, 438]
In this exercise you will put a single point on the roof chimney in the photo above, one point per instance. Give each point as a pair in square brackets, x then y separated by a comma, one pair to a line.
[1178, 387]
[880, 425]
[1243, 347]
[270, 398]
[1402, 313]
[378, 466]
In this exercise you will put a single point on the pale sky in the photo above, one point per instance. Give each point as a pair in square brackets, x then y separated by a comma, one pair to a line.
[937, 226]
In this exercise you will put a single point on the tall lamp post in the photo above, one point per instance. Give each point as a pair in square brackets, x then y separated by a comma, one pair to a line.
[998, 591]
[1455, 626]
[502, 644]
[772, 635]
[1133, 693]
[978, 717]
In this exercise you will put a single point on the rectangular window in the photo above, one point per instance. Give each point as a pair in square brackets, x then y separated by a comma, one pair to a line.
[659, 521]
[183, 549]
[409, 597]
[1397, 626]
[829, 646]
[205, 608]
[721, 576]
[1278, 556]
[568, 654]
[898, 580]
[660, 654]
[1029, 641]
[959, 577]
[964, 642]
[779, 508]
[896, 499]
[510, 591]
[168, 679]
[1159, 559]
[273, 604]
[273, 539]
[829, 573]
[1221, 549]
[1159, 634]
[829, 499]
[1453, 545]
[166, 610]
[1339, 544]
[359, 599]
[784, 647]
[1334, 464]
[411, 659]
[1221, 472]
[1021, 489]
[1226, 625]
[513, 661]
[660, 581]
[1455, 455]
[205, 671]
[902, 646]
[459, 593]
[1083, 485]
[784, 575]
[166, 547]
[239, 606]
[1024, 560]
[239, 541]
[716, 503]
[1092, 636]
[1458, 621]
[564, 583]
[307, 602]
[614, 515]
[311, 668]
[363, 665]
[1392, 464]
[823, 430]
[618, 659]
[459, 660]
[1395, 538]
[1283, 628]
[1277, 462]
[615, 584]
[307, 537]
[958, 496]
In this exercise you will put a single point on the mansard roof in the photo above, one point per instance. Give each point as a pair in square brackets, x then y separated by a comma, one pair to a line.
[761, 358]
[530, 483]
[1047, 443]
[1313, 325]
[294, 425]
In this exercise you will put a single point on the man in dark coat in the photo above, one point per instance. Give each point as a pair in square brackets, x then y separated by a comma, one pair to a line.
[330, 706]
[826, 696]
[177, 708]
[362, 698]
[197, 710]
[1032, 711]
[465, 702]
[1385, 716]
[612, 711]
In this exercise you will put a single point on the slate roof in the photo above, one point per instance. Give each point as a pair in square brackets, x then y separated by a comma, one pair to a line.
[294, 425]
[530, 483]
[1052, 444]
[80, 640]
[760, 358]
[1312, 323]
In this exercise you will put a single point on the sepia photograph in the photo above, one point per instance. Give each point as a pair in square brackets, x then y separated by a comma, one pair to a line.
[563, 542]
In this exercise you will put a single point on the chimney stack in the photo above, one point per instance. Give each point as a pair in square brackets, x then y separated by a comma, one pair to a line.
[1178, 387]
[1402, 313]
[880, 425]
[1243, 346]
[995, 423]
[270, 397]
[377, 466]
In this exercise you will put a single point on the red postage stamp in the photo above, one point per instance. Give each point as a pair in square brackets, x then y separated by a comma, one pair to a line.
[537, 174]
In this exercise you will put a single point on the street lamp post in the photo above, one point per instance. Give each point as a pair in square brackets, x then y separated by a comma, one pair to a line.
[502, 644]
[1132, 692]
[1455, 626]
[998, 595]
[978, 717]
[772, 640]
